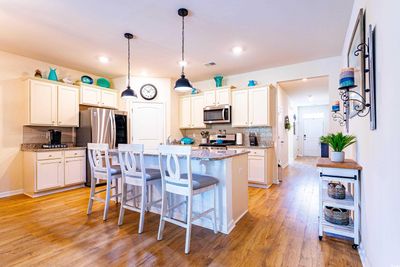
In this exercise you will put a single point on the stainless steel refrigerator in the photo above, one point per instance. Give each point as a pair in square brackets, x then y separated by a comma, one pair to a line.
[99, 125]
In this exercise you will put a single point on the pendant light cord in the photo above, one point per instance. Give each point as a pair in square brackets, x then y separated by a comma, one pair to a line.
[183, 45]
[129, 64]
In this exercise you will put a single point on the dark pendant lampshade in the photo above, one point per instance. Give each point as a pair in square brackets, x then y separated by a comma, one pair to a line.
[183, 84]
[128, 93]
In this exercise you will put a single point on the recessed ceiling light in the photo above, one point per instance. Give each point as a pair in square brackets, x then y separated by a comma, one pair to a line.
[103, 59]
[182, 63]
[304, 79]
[144, 73]
[310, 98]
[237, 50]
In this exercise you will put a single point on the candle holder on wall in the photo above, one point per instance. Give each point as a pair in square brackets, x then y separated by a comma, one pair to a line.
[341, 118]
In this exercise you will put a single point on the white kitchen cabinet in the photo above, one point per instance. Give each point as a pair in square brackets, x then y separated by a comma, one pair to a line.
[258, 107]
[75, 170]
[191, 112]
[256, 169]
[90, 96]
[68, 106]
[209, 98]
[252, 107]
[47, 172]
[223, 96]
[52, 104]
[240, 107]
[109, 99]
[185, 112]
[42, 103]
[98, 97]
[197, 113]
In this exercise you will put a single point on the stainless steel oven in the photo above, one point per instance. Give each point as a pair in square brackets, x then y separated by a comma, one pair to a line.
[217, 114]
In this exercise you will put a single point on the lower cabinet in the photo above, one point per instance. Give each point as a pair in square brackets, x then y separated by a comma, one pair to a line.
[47, 171]
[257, 169]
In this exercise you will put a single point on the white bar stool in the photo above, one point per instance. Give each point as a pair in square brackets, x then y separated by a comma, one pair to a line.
[184, 184]
[101, 170]
[135, 174]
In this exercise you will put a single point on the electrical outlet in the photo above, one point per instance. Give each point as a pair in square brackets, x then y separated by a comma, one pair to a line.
[194, 135]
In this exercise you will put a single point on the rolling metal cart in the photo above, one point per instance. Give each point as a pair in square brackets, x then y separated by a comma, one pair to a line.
[348, 174]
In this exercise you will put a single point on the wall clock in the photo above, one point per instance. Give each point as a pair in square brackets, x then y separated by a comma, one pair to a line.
[148, 91]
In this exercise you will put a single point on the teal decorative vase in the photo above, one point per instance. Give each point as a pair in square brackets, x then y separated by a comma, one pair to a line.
[52, 75]
[218, 80]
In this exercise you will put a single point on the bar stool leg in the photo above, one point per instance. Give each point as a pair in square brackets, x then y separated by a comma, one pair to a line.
[143, 206]
[92, 190]
[123, 202]
[188, 225]
[163, 211]
[214, 215]
[107, 200]
[116, 191]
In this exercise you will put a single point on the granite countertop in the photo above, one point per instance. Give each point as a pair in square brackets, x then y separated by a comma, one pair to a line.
[251, 147]
[38, 148]
[201, 154]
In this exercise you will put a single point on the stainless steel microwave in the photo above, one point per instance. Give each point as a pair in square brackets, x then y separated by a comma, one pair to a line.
[217, 114]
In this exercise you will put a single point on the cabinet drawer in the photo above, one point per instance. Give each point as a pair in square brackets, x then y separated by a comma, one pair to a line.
[74, 153]
[257, 152]
[49, 155]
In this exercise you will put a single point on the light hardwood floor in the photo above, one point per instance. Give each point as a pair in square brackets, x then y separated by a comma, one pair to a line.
[280, 229]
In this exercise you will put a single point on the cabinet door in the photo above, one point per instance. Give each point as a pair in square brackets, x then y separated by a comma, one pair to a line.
[258, 107]
[256, 169]
[75, 170]
[109, 99]
[90, 96]
[223, 96]
[49, 174]
[240, 108]
[42, 103]
[184, 112]
[68, 106]
[209, 98]
[197, 105]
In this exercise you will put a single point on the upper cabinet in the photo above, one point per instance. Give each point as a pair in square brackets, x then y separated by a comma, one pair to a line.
[253, 106]
[51, 104]
[98, 97]
[191, 111]
[218, 96]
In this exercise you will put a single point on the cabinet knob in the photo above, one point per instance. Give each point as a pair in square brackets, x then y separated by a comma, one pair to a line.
[60, 122]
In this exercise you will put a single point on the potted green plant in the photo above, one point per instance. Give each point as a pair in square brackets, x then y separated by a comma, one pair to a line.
[338, 142]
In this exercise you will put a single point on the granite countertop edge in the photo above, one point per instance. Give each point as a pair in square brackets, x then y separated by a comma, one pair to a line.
[36, 149]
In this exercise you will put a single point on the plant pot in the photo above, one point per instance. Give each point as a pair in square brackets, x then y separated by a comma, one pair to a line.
[337, 156]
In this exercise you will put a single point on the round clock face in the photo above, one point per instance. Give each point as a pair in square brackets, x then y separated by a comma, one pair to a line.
[148, 91]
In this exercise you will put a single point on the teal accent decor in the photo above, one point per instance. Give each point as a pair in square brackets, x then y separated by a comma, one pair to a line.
[52, 75]
[103, 82]
[218, 80]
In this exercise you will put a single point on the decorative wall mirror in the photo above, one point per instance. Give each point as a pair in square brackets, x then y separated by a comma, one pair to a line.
[357, 61]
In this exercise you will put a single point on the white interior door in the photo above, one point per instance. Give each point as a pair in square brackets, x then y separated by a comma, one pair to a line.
[148, 125]
[313, 129]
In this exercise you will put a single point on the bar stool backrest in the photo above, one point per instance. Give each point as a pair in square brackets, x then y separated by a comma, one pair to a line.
[99, 160]
[131, 160]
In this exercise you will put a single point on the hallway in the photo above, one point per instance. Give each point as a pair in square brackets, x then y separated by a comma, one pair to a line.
[280, 229]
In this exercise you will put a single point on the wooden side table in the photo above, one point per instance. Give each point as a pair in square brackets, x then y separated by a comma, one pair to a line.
[347, 173]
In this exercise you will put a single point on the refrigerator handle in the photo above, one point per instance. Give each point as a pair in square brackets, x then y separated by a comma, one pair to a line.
[113, 130]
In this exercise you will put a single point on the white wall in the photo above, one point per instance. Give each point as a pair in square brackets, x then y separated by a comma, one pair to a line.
[378, 151]
[165, 95]
[12, 69]
[322, 67]
[282, 141]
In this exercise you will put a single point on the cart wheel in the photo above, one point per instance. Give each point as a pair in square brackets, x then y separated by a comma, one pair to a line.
[354, 246]
[320, 237]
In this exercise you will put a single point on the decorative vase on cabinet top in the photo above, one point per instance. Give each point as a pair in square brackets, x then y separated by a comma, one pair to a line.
[218, 80]
[52, 75]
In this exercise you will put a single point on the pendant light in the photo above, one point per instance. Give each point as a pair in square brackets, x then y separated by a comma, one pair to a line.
[183, 84]
[128, 93]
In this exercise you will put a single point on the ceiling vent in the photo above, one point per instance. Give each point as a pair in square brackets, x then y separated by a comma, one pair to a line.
[210, 64]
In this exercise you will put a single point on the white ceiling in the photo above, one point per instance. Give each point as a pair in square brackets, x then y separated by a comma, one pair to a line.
[74, 33]
[299, 91]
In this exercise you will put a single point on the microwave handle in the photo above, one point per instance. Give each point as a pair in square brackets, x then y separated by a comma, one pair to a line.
[223, 114]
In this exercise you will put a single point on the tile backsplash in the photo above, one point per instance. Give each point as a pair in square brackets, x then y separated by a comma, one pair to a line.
[39, 134]
[264, 134]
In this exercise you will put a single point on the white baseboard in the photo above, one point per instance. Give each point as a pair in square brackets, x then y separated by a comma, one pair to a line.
[363, 256]
[11, 193]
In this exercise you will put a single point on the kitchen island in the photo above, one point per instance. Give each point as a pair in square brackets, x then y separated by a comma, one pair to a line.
[231, 170]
